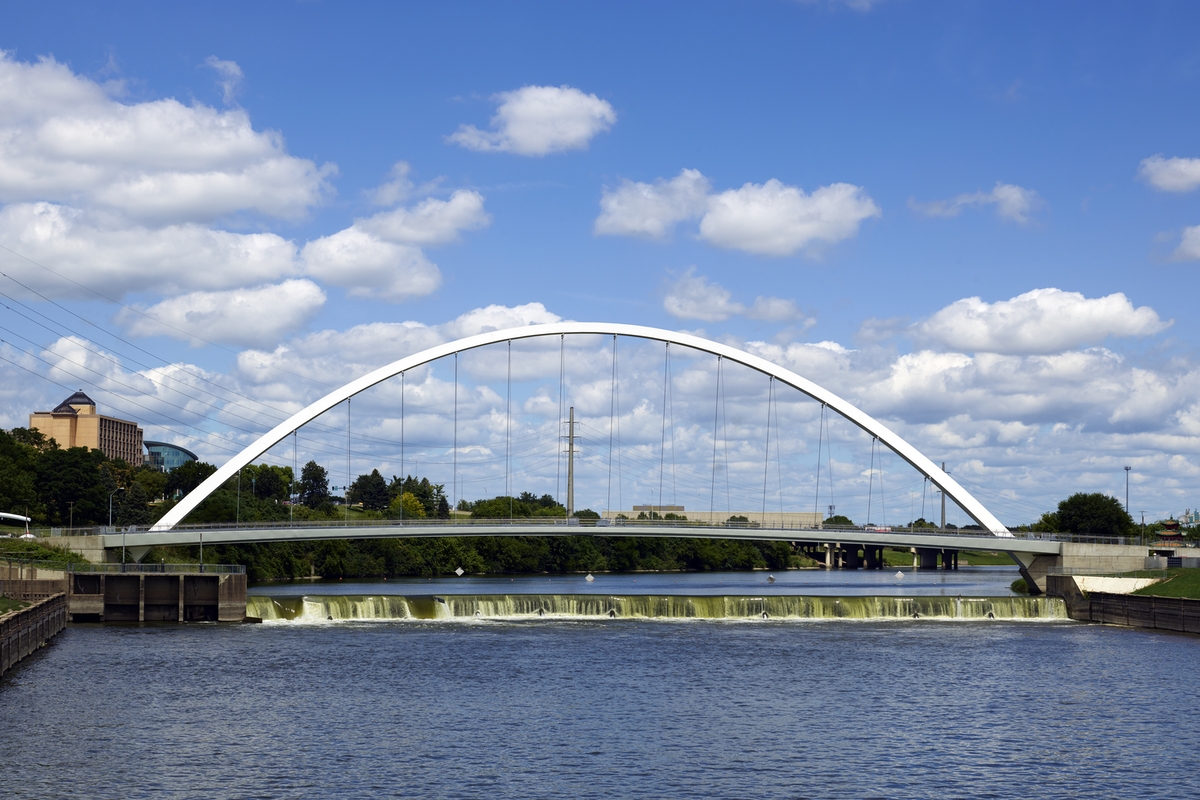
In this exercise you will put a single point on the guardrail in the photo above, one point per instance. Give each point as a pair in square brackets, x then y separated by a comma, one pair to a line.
[130, 567]
[574, 522]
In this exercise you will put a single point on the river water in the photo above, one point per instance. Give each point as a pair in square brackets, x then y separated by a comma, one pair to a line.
[560, 706]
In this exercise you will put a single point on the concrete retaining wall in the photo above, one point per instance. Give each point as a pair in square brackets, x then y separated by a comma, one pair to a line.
[1133, 610]
[22, 632]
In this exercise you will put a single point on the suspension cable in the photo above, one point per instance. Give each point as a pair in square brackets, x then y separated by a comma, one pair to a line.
[767, 451]
[712, 491]
[508, 434]
[558, 428]
[870, 480]
[612, 404]
[454, 457]
[820, 437]
[662, 442]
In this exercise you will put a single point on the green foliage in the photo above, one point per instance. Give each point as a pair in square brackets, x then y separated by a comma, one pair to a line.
[1179, 583]
[153, 482]
[36, 551]
[1020, 586]
[314, 485]
[839, 519]
[921, 522]
[523, 507]
[188, 476]
[370, 490]
[586, 513]
[406, 506]
[1049, 523]
[1096, 514]
[71, 487]
[134, 508]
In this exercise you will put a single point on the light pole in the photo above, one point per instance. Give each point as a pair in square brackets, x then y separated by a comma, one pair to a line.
[1127, 489]
[111, 504]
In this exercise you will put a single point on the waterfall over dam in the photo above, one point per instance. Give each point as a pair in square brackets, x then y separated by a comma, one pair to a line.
[325, 608]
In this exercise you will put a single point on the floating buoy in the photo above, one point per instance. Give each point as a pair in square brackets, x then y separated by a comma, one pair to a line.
[991, 615]
[770, 579]
[900, 575]
[478, 614]
[612, 614]
[765, 615]
[330, 618]
[459, 572]
[916, 615]
[589, 578]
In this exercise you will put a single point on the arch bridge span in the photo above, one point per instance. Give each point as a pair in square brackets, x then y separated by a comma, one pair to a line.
[847, 410]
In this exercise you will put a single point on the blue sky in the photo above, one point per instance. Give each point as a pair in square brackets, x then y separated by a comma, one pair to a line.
[775, 174]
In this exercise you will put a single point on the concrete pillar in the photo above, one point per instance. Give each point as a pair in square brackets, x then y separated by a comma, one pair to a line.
[850, 558]
[949, 559]
[927, 558]
[141, 598]
[180, 617]
[828, 556]
[873, 556]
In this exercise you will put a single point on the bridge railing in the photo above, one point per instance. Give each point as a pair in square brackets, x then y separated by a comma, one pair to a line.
[13, 564]
[575, 523]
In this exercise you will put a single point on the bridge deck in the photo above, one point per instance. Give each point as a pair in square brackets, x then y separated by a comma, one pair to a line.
[424, 529]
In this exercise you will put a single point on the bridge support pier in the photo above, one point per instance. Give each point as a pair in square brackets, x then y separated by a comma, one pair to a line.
[873, 556]
[926, 558]
[850, 558]
[949, 559]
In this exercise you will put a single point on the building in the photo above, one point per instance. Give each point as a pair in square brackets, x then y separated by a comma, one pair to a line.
[75, 423]
[166, 457]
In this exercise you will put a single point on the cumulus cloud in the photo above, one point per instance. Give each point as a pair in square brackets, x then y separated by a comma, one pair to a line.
[767, 219]
[1189, 245]
[1039, 321]
[369, 266]
[1011, 202]
[693, 296]
[651, 210]
[539, 120]
[778, 220]
[123, 259]
[230, 77]
[380, 256]
[63, 139]
[431, 221]
[249, 317]
[1170, 174]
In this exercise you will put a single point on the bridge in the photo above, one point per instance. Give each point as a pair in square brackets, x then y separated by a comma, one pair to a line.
[846, 542]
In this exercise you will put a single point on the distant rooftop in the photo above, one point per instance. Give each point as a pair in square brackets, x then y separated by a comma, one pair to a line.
[77, 399]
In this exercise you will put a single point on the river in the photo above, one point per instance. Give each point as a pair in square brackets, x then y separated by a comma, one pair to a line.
[555, 706]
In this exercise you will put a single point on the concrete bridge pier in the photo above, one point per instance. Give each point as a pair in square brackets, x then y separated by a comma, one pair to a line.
[949, 559]
[925, 558]
[850, 559]
[873, 556]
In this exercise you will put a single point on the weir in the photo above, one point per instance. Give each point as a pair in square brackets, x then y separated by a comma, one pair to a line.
[345, 608]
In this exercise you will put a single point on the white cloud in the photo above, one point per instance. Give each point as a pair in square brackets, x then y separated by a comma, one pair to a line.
[1039, 321]
[1170, 174]
[370, 266]
[91, 250]
[254, 317]
[230, 77]
[651, 210]
[64, 139]
[778, 220]
[694, 297]
[431, 221]
[381, 257]
[1012, 202]
[539, 120]
[1189, 245]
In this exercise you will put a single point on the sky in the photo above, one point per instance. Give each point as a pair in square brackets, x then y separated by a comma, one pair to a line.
[979, 222]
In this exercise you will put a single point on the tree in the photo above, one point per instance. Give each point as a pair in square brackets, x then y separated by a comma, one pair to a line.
[406, 506]
[1049, 523]
[71, 487]
[134, 508]
[188, 476]
[1094, 513]
[314, 485]
[153, 481]
[370, 490]
[839, 519]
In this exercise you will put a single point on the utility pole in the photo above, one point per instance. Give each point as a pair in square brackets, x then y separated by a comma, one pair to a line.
[943, 499]
[571, 464]
[1127, 489]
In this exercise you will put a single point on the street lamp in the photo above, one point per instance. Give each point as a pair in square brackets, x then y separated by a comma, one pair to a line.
[1127, 489]
[110, 497]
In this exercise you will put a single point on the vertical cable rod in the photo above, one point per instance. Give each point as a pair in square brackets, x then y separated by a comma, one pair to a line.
[767, 452]
[508, 434]
[820, 439]
[558, 428]
[454, 457]
[662, 442]
[870, 479]
[612, 404]
[403, 472]
[712, 489]
[347, 490]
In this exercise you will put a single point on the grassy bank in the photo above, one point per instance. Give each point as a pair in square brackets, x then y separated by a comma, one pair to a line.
[34, 551]
[7, 605]
[1179, 583]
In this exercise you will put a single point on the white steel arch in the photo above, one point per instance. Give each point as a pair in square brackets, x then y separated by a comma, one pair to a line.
[872, 426]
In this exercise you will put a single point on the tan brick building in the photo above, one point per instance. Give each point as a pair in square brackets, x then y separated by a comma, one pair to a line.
[75, 423]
